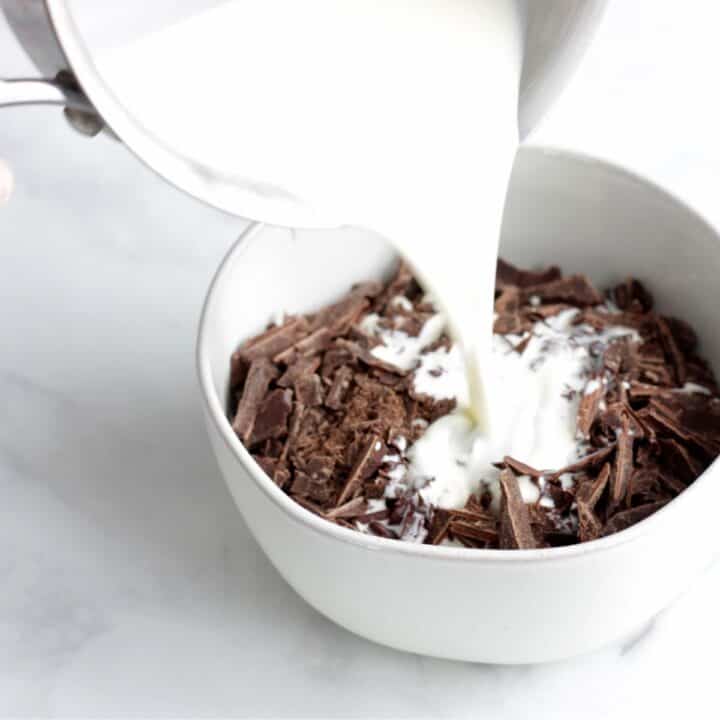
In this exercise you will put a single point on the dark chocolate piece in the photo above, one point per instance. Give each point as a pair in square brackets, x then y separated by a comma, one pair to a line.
[515, 530]
[626, 518]
[272, 417]
[259, 376]
[367, 463]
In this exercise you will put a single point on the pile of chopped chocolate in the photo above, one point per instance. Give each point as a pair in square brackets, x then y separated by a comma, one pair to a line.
[330, 422]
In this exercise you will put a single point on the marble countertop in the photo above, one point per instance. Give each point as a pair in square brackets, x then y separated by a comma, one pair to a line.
[129, 584]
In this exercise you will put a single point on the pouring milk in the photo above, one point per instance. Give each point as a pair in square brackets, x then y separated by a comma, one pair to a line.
[398, 116]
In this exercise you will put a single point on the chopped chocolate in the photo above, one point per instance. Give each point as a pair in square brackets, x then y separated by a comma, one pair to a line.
[337, 319]
[623, 464]
[521, 468]
[673, 351]
[515, 530]
[508, 274]
[574, 289]
[591, 489]
[313, 343]
[368, 358]
[632, 296]
[272, 417]
[626, 518]
[274, 340]
[259, 376]
[589, 405]
[331, 423]
[377, 528]
[439, 526]
[352, 508]
[367, 462]
[401, 285]
[300, 368]
[309, 390]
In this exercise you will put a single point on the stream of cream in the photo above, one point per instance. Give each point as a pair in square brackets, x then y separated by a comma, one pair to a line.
[396, 115]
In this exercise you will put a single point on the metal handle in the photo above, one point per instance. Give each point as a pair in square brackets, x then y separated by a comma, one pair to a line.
[31, 23]
[41, 92]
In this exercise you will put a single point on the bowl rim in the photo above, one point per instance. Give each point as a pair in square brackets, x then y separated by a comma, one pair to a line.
[214, 410]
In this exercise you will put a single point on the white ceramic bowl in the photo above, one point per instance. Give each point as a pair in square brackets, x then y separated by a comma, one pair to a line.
[483, 605]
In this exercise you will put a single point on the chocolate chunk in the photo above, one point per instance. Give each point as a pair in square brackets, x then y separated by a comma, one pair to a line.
[626, 518]
[309, 390]
[275, 469]
[589, 404]
[301, 367]
[352, 508]
[623, 465]
[439, 526]
[274, 340]
[368, 358]
[515, 530]
[619, 356]
[591, 489]
[511, 324]
[337, 318]
[521, 468]
[589, 525]
[474, 531]
[507, 274]
[509, 301]
[314, 479]
[574, 289]
[313, 343]
[377, 528]
[631, 295]
[680, 460]
[259, 376]
[367, 462]
[402, 284]
[338, 390]
[239, 367]
[272, 417]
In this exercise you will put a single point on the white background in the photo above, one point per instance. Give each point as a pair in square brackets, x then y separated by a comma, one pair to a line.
[128, 582]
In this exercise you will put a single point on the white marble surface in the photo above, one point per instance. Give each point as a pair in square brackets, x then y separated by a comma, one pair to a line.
[128, 583]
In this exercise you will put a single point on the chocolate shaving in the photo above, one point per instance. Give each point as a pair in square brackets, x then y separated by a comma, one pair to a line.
[301, 367]
[626, 518]
[309, 390]
[259, 376]
[521, 468]
[589, 405]
[367, 463]
[316, 407]
[340, 385]
[272, 417]
[574, 289]
[507, 274]
[623, 465]
[584, 463]
[515, 530]
[631, 295]
[368, 358]
[273, 341]
[352, 508]
[591, 490]
[673, 351]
